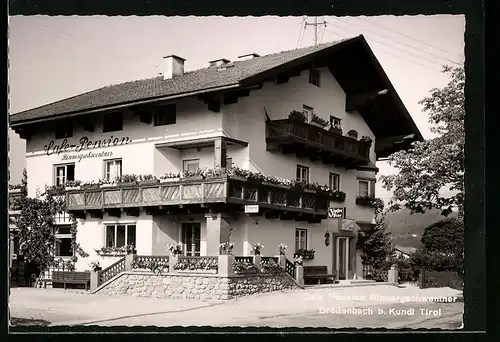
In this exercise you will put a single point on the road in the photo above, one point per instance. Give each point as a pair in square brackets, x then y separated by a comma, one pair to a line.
[300, 308]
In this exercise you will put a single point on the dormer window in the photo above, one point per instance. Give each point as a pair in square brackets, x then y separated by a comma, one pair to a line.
[314, 76]
[64, 129]
[166, 115]
[112, 122]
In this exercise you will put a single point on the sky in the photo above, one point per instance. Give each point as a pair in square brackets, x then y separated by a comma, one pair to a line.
[55, 57]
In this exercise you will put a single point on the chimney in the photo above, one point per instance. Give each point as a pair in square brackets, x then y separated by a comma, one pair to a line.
[174, 66]
[219, 62]
[248, 56]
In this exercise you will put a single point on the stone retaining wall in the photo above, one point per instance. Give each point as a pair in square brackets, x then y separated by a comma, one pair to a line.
[196, 286]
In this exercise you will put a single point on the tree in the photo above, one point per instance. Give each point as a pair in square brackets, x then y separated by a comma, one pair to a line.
[443, 248]
[376, 245]
[37, 229]
[434, 165]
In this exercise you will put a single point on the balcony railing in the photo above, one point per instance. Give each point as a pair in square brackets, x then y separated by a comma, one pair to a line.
[290, 131]
[225, 189]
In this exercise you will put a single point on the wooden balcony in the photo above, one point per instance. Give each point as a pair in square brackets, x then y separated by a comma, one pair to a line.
[223, 191]
[307, 140]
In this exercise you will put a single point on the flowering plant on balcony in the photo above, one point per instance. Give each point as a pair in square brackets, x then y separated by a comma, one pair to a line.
[55, 190]
[213, 173]
[282, 248]
[227, 248]
[197, 264]
[170, 175]
[95, 266]
[175, 249]
[366, 138]
[369, 201]
[320, 120]
[270, 266]
[352, 133]
[129, 178]
[257, 248]
[244, 267]
[306, 254]
[73, 184]
[155, 266]
[115, 251]
[298, 116]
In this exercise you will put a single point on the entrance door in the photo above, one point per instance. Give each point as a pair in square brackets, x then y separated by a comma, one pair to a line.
[191, 234]
[342, 257]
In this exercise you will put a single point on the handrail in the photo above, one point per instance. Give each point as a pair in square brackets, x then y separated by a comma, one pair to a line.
[111, 271]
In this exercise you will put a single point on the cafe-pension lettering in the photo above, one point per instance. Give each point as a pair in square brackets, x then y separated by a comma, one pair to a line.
[84, 145]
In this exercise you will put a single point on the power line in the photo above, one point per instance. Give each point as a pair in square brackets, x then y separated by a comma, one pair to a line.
[408, 45]
[399, 57]
[395, 48]
[301, 32]
[404, 35]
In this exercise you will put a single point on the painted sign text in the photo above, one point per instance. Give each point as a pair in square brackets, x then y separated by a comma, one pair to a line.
[83, 145]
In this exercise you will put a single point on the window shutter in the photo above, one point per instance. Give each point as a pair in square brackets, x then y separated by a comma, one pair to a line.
[372, 188]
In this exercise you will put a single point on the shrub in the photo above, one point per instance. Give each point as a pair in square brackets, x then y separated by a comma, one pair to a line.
[244, 267]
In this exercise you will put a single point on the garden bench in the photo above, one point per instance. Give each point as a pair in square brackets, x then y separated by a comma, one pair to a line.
[61, 277]
[319, 273]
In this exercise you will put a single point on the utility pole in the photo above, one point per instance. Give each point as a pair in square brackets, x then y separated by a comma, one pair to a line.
[316, 24]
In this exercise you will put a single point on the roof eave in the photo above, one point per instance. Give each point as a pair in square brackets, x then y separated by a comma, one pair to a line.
[118, 106]
[392, 91]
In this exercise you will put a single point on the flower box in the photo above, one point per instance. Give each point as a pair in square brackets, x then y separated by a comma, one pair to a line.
[127, 184]
[196, 177]
[90, 187]
[108, 185]
[311, 191]
[111, 254]
[276, 185]
[69, 188]
[148, 182]
[317, 124]
[335, 130]
[169, 180]
[239, 178]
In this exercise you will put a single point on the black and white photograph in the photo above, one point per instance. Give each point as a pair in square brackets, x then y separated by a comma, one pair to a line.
[272, 171]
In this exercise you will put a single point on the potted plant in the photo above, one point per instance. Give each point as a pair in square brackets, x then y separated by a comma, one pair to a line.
[296, 116]
[226, 248]
[298, 261]
[95, 266]
[147, 179]
[270, 266]
[282, 249]
[257, 248]
[196, 174]
[353, 134]
[106, 183]
[175, 249]
[366, 139]
[335, 130]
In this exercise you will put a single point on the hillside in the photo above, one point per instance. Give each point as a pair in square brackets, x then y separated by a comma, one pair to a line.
[404, 225]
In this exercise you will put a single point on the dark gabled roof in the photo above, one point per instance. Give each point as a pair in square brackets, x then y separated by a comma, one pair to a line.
[351, 62]
[157, 87]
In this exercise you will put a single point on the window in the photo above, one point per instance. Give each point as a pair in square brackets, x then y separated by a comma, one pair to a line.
[63, 247]
[334, 181]
[302, 173]
[64, 129]
[335, 122]
[364, 188]
[300, 239]
[112, 169]
[119, 235]
[64, 173]
[314, 76]
[229, 163]
[112, 122]
[165, 115]
[308, 112]
[190, 165]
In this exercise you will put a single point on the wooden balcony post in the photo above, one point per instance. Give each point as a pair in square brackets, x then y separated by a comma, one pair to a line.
[220, 152]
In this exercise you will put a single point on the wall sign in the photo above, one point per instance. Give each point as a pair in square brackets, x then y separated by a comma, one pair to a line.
[84, 145]
[336, 213]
